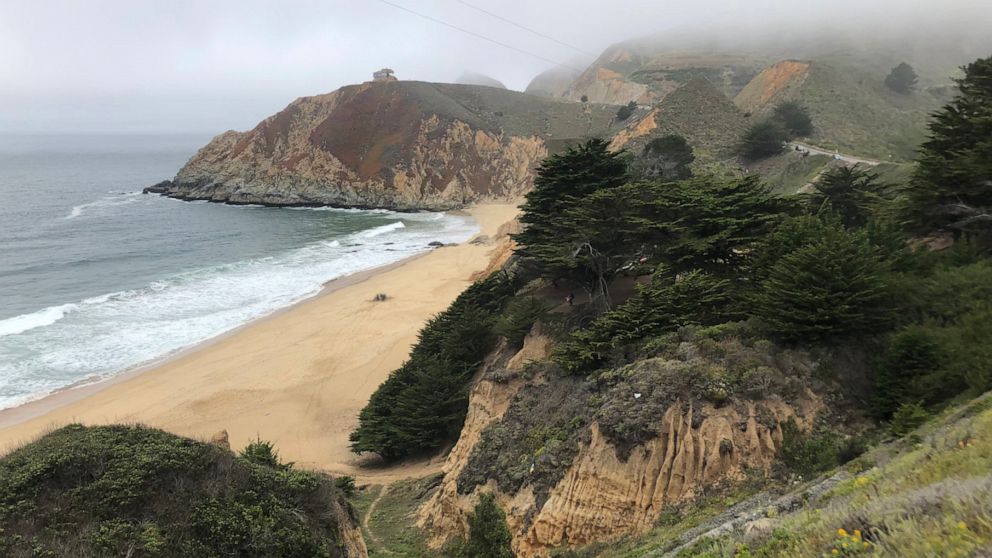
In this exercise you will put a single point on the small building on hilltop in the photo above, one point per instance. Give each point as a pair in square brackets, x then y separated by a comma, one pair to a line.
[385, 74]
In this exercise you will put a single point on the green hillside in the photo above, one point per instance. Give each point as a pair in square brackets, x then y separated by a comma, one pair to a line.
[135, 491]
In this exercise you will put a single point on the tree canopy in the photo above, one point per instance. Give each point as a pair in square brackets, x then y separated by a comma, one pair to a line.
[795, 118]
[952, 186]
[764, 139]
[666, 158]
[902, 78]
[852, 193]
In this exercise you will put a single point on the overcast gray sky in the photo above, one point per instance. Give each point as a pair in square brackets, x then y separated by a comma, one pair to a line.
[212, 65]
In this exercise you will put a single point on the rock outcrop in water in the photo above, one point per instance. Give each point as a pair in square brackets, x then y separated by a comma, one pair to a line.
[402, 145]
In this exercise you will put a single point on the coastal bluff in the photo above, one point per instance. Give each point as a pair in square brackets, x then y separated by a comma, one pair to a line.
[402, 145]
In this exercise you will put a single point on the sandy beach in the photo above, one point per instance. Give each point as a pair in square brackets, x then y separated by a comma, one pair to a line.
[297, 378]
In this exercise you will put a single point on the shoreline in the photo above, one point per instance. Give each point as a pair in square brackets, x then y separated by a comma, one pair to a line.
[296, 377]
[77, 391]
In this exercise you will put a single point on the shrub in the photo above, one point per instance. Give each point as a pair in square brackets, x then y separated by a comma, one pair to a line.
[764, 139]
[908, 417]
[488, 535]
[902, 78]
[914, 355]
[625, 112]
[346, 484]
[122, 490]
[807, 454]
[794, 117]
[261, 452]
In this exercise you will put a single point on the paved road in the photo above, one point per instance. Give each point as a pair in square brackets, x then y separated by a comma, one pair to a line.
[839, 156]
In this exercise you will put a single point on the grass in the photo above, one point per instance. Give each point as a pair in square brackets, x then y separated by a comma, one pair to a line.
[390, 529]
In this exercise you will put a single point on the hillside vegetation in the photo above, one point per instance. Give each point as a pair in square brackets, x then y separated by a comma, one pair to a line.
[725, 341]
[134, 491]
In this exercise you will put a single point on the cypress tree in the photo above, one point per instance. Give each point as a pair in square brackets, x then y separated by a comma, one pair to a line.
[952, 186]
[829, 289]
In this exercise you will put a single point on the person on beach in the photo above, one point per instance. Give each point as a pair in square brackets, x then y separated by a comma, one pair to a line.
[570, 298]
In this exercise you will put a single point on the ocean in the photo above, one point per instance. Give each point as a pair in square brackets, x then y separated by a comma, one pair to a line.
[97, 278]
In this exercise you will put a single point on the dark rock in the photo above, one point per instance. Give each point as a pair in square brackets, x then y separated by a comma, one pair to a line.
[160, 188]
[435, 244]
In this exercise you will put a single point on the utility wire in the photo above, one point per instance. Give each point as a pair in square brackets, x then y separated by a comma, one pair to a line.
[525, 28]
[483, 37]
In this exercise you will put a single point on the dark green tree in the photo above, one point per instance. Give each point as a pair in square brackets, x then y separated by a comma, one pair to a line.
[488, 535]
[902, 79]
[422, 404]
[562, 180]
[713, 224]
[663, 305]
[625, 112]
[764, 139]
[852, 193]
[795, 118]
[952, 186]
[666, 158]
[832, 288]
[913, 355]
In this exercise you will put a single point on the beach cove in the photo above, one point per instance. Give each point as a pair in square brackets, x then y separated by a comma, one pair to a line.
[297, 378]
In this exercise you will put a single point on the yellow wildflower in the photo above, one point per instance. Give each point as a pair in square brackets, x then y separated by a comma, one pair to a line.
[835, 551]
[962, 525]
[841, 532]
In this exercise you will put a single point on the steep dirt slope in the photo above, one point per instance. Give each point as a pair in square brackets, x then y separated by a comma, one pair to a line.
[575, 461]
[398, 145]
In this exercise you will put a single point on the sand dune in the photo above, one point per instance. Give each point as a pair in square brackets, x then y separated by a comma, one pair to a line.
[297, 378]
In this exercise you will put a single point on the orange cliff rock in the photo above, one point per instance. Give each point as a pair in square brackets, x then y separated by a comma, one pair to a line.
[398, 145]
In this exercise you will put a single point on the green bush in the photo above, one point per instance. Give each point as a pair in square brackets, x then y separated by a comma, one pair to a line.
[908, 371]
[264, 453]
[346, 484]
[488, 535]
[135, 491]
[762, 140]
[908, 417]
[808, 454]
[625, 112]
[794, 117]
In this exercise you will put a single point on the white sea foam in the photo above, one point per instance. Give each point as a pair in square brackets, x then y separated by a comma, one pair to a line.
[103, 335]
[383, 229]
[109, 201]
[41, 318]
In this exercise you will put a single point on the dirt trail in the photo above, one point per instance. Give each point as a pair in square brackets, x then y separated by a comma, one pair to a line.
[368, 515]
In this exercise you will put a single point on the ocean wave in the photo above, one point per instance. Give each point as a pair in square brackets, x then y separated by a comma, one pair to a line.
[41, 318]
[382, 229]
[110, 201]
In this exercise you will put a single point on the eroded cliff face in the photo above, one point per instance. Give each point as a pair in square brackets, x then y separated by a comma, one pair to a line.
[608, 491]
[396, 145]
[603, 497]
[446, 512]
